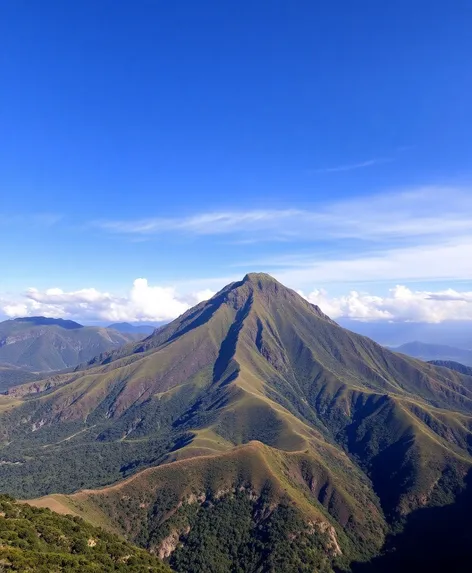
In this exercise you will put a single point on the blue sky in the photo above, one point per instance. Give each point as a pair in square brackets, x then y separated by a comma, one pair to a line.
[190, 142]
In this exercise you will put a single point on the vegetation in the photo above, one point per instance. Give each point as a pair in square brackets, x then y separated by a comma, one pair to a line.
[41, 541]
[235, 534]
[75, 465]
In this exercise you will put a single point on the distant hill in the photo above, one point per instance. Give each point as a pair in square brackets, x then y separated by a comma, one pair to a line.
[428, 352]
[253, 434]
[45, 321]
[456, 366]
[143, 329]
[44, 344]
[39, 540]
[457, 333]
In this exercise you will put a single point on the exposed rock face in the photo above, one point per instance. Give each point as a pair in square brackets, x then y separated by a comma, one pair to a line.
[332, 545]
[168, 545]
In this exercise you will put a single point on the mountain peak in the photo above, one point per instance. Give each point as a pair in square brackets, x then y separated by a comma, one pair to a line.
[262, 282]
[258, 278]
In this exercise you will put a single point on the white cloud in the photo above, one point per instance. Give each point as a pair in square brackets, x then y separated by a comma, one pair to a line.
[58, 296]
[401, 304]
[450, 261]
[143, 303]
[353, 166]
[432, 212]
[202, 224]
[202, 295]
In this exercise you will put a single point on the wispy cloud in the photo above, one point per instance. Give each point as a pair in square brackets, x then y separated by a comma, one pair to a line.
[425, 212]
[353, 166]
[424, 234]
[213, 223]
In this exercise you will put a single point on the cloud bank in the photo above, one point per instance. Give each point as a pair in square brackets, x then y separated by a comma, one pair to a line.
[157, 303]
[401, 304]
[143, 303]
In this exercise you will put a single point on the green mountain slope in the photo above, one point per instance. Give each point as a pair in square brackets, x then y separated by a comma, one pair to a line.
[251, 403]
[41, 541]
[44, 344]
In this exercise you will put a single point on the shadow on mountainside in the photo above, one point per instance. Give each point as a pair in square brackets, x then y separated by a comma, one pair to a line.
[435, 539]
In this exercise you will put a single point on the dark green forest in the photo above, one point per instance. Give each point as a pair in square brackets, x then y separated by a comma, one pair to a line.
[41, 541]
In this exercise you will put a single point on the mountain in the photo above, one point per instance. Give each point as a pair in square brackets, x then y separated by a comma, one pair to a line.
[253, 433]
[45, 344]
[143, 329]
[456, 333]
[46, 321]
[40, 540]
[428, 352]
[467, 370]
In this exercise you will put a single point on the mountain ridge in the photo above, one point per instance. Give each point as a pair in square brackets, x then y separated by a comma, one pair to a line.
[452, 365]
[47, 321]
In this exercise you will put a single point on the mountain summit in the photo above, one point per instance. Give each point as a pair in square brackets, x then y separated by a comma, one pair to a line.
[253, 405]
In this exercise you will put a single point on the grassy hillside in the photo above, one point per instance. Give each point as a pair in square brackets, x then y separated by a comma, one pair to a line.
[253, 390]
[41, 541]
[254, 478]
[44, 344]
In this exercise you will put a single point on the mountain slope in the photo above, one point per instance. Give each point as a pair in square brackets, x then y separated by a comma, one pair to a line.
[429, 352]
[253, 403]
[45, 344]
[42, 541]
